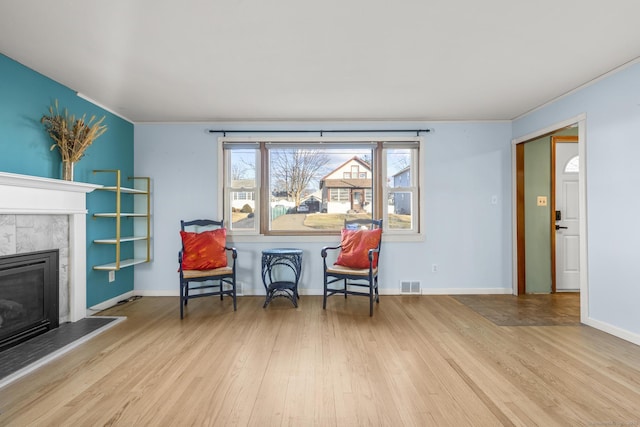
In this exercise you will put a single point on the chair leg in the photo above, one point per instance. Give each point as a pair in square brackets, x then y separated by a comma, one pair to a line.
[181, 300]
[324, 298]
[345, 288]
[370, 299]
[235, 307]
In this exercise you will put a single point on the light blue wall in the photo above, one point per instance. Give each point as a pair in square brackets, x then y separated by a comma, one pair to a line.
[467, 164]
[612, 108]
[25, 96]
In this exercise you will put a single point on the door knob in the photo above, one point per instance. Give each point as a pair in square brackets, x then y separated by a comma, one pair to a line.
[558, 227]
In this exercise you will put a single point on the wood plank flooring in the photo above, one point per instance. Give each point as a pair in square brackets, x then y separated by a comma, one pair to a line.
[419, 361]
[526, 310]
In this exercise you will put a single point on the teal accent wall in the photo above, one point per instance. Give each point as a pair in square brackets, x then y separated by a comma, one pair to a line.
[25, 96]
[537, 182]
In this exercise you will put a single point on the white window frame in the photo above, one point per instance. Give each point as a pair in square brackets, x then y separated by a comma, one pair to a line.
[226, 202]
[413, 188]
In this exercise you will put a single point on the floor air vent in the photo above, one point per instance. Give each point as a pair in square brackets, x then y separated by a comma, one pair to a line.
[407, 287]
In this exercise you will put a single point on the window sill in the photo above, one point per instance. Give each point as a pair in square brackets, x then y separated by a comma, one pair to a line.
[253, 238]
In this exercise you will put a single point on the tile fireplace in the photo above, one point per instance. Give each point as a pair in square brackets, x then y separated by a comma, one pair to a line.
[39, 214]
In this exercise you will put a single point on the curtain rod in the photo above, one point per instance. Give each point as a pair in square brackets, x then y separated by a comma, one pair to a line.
[321, 132]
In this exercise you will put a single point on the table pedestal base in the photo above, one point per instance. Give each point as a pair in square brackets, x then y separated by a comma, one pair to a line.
[279, 264]
[282, 290]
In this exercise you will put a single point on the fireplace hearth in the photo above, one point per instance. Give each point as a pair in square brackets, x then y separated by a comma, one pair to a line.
[29, 288]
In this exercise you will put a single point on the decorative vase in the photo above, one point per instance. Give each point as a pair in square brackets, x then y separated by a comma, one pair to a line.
[67, 170]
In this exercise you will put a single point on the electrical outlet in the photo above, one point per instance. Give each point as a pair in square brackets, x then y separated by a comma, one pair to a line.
[434, 268]
[112, 276]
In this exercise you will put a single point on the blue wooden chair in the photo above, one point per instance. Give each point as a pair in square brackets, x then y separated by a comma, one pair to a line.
[347, 276]
[204, 258]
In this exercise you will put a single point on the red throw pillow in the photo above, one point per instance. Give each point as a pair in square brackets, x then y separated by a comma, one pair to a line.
[356, 245]
[204, 251]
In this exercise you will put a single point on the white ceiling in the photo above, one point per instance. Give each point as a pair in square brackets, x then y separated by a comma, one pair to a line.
[258, 60]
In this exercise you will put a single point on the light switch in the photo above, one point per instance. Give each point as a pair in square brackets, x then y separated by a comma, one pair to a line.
[542, 200]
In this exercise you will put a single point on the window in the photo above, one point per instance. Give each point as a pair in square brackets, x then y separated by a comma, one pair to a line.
[241, 187]
[338, 195]
[266, 182]
[401, 191]
[243, 195]
[573, 165]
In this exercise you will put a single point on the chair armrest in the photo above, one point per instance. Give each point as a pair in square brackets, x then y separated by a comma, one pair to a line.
[234, 255]
[371, 252]
[328, 248]
[234, 252]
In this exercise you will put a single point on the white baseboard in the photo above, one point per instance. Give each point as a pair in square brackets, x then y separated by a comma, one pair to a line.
[613, 330]
[311, 292]
[171, 293]
[109, 303]
[163, 293]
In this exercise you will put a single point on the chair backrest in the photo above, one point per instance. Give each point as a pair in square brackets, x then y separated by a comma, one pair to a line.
[198, 227]
[357, 224]
[207, 224]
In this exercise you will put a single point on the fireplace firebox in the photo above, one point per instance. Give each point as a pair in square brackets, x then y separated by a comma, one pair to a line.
[29, 288]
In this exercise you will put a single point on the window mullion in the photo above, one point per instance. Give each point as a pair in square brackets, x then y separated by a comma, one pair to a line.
[265, 212]
[378, 169]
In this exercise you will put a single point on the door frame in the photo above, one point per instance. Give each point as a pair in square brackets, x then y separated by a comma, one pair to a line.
[552, 193]
[517, 244]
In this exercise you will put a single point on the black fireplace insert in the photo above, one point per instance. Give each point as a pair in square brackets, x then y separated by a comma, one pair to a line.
[29, 288]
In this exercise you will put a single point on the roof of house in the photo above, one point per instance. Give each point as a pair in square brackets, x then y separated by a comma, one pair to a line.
[401, 171]
[356, 158]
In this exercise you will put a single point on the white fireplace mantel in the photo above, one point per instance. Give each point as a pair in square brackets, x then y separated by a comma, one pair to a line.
[26, 194]
[31, 195]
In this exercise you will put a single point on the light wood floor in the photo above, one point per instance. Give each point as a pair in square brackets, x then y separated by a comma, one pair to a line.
[420, 360]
